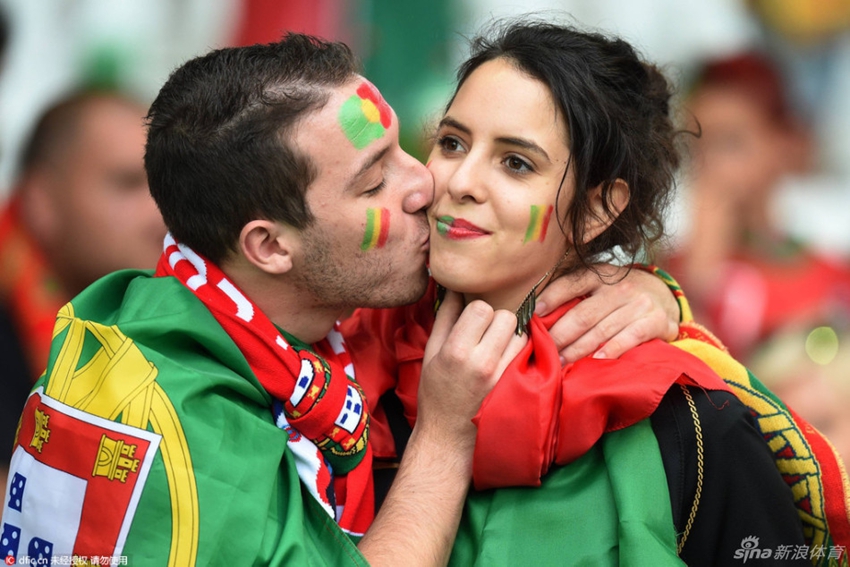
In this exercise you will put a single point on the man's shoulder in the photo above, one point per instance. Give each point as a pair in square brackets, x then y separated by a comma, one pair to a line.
[156, 316]
[132, 347]
[133, 294]
[125, 405]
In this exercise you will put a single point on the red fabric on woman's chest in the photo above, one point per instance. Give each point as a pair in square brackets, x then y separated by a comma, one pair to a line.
[539, 413]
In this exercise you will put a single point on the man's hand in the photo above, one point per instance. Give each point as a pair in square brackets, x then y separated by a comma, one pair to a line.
[465, 356]
[620, 313]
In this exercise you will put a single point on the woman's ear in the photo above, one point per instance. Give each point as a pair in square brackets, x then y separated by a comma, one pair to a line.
[268, 245]
[600, 219]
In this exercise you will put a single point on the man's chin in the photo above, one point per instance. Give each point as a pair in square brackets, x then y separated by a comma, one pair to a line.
[410, 293]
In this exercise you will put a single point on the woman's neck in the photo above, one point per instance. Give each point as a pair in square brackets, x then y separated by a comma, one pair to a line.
[514, 297]
[510, 299]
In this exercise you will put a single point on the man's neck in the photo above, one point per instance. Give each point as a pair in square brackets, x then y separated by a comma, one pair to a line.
[292, 309]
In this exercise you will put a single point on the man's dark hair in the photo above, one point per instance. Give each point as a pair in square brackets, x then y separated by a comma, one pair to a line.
[219, 151]
[617, 112]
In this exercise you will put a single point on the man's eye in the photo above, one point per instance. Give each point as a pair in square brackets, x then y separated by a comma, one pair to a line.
[377, 189]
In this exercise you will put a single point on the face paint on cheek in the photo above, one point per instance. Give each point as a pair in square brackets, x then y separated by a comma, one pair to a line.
[377, 229]
[539, 224]
[365, 116]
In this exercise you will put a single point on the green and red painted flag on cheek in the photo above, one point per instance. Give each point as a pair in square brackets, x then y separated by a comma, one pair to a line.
[539, 223]
[377, 229]
[365, 116]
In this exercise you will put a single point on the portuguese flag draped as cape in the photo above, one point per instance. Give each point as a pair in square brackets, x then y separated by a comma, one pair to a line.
[150, 438]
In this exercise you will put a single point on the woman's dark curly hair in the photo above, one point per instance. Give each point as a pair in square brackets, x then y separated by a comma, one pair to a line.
[617, 110]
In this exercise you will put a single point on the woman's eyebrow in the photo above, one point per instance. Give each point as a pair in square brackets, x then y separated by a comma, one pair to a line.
[524, 143]
[452, 123]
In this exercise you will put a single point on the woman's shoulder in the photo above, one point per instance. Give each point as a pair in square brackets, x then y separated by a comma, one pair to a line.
[723, 482]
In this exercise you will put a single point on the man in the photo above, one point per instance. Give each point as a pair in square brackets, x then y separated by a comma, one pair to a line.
[156, 431]
[80, 209]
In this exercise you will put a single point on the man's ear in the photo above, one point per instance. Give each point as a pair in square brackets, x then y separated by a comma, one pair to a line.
[618, 198]
[268, 245]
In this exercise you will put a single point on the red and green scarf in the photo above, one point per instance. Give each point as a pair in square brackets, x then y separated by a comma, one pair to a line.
[315, 394]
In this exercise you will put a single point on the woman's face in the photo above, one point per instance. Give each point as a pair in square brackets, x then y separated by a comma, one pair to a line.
[498, 161]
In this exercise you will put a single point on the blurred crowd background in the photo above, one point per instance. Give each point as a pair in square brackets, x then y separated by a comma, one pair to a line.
[759, 235]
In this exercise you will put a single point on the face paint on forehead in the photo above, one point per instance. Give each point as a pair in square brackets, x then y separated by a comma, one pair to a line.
[377, 229]
[365, 116]
[539, 223]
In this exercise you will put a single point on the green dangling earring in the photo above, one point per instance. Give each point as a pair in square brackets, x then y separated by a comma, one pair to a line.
[526, 309]
[441, 295]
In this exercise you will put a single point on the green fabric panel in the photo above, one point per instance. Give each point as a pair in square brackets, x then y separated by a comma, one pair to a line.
[252, 508]
[572, 518]
[549, 525]
[639, 484]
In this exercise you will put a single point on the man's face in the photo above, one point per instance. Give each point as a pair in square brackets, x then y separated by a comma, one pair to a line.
[368, 246]
[106, 218]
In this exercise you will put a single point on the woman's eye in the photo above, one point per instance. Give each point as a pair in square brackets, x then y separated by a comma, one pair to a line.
[449, 143]
[518, 165]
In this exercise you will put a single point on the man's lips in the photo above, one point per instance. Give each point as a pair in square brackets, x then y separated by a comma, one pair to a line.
[458, 229]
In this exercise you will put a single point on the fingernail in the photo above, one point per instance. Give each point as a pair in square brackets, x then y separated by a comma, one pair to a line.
[540, 308]
[600, 355]
[563, 361]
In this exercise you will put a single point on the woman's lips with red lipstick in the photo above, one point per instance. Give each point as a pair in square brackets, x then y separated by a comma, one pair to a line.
[458, 229]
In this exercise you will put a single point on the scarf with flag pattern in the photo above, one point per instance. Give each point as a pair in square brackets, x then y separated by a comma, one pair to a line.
[316, 400]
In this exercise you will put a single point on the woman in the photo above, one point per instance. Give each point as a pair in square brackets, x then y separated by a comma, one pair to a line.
[656, 460]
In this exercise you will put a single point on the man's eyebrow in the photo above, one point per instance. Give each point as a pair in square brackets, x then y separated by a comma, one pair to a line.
[367, 165]
[510, 140]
